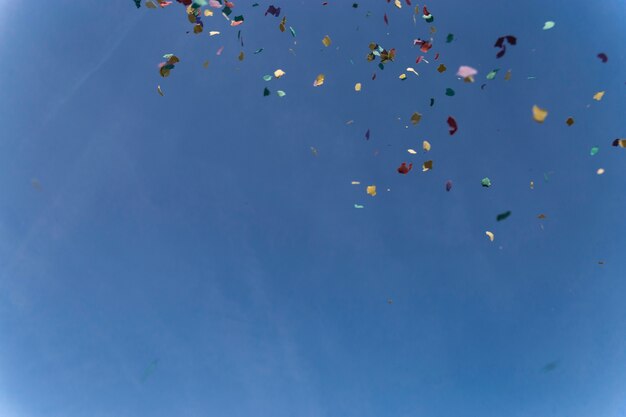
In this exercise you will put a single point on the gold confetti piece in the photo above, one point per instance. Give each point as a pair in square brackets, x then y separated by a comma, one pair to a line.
[507, 76]
[283, 24]
[411, 151]
[205, 64]
[441, 68]
[319, 80]
[159, 90]
[357, 87]
[570, 121]
[150, 5]
[428, 165]
[279, 73]
[532, 185]
[214, 32]
[491, 235]
[402, 76]
[356, 182]
[241, 56]
[600, 171]
[413, 71]
[415, 118]
[426, 146]
[208, 13]
[197, 29]
[398, 4]
[371, 190]
[598, 96]
[326, 41]
[539, 114]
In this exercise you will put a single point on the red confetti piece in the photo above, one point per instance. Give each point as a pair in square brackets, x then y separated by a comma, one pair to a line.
[386, 19]
[404, 169]
[437, 56]
[453, 126]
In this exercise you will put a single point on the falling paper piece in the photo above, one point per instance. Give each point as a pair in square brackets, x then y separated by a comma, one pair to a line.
[137, 3]
[415, 118]
[358, 206]
[159, 90]
[600, 171]
[219, 51]
[619, 142]
[532, 185]
[426, 146]
[485, 182]
[150, 5]
[281, 93]
[441, 68]
[367, 135]
[356, 182]
[492, 74]
[402, 77]
[357, 87]
[398, 4]
[541, 216]
[570, 121]
[205, 64]
[411, 151]
[453, 126]
[274, 11]
[371, 190]
[598, 96]
[548, 25]
[450, 92]
[594, 150]
[426, 166]
[313, 151]
[241, 56]
[404, 169]
[507, 76]
[319, 80]
[491, 236]
[539, 114]
[511, 40]
[266, 92]
[448, 185]
[503, 216]
[603, 57]
[465, 71]
[208, 13]
[449, 38]
[258, 51]
[267, 77]
[413, 71]
[214, 32]
[326, 41]
[279, 73]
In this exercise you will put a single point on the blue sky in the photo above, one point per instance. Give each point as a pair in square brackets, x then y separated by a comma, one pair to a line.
[197, 232]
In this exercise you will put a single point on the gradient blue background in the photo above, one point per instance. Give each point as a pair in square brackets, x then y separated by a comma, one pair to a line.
[197, 229]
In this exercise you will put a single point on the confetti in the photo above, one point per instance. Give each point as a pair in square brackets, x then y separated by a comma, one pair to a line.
[449, 38]
[219, 51]
[619, 142]
[453, 126]
[598, 96]
[404, 169]
[356, 182]
[600, 171]
[569, 121]
[594, 150]
[159, 90]
[166, 67]
[358, 206]
[485, 182]
[465, 72]
[357, 87]
[548, 25]
[371, 190]
[266, 92]
[507, 76]
[441, 68]
[603, 57]
[427, 166]
[411, 151]
[279, 73]
[490, 235]
[326, 41]
[367, 135]
[541, 216]
[319, 80]
[267, 77]
[313, 151]
[274, 11]
[415, 118]
[281, 93]
[205, 64]
[402, 77]
[503, 216]
[492, 74]
[448, 185]
[214, 32]
[241, 56]
[511, 40]
[539, 114]
[150, 5]
[450, 92]
[412, 70]
[426, 146]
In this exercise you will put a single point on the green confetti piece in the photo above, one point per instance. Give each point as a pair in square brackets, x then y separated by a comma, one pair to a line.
[267, 77]
[594, 151]
[548, 25]
[503, 216]
[266, 92]
[281, 93]
[492, 74]
[258, 51]
[450, 92]
[358, 206]
[293, 31]
[226, 11]
[485, 182]
[381, 66]
[449, 38]
[255, 5]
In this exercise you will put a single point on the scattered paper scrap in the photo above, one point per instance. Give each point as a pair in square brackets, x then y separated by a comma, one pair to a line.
[539, 114]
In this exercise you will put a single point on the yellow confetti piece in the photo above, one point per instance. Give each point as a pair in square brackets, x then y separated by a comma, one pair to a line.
[398, 4]
[411, 151]
[598, 96]
[326, 41]
[402, 76]
[539, 114]
[426, 166]
[415, 118]
[208, 13]
[319, 80]
[159, 90]
[357, 87]
[214, 32]
[426, 146]
[413, 71]
[371, 190]
[491, 235]
[241, 56]
[279, 73]
[507, 76]
[600, 171]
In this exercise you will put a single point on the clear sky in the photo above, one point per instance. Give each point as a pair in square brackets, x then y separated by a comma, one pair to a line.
[188, 254]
